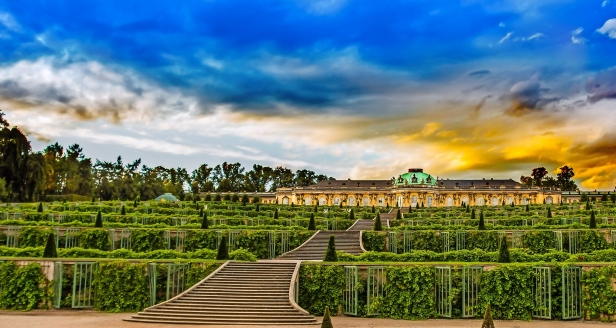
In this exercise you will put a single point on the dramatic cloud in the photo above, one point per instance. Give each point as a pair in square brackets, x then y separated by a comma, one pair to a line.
[602, 86]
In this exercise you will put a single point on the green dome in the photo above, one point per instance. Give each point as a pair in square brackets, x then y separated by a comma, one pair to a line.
[415, 177]
[168, 197]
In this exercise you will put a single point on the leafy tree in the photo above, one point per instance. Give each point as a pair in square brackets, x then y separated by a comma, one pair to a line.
[245, 199]
[487, 318]
[584, 197]
[613, 198]
[50, 247]
[256, 200]
[235, 198]
[312, 224]
[377, 223]
[217, 198]
[99, 220]
[503, 251]
[527, 181]
[564, 178]
[204, 222]
[223, 251]
[473, 214]
[593, 221]
[330, 254]
[482, 225]
[538, 174]
[327, 320]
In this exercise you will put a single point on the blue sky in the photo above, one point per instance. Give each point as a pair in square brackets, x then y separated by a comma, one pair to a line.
[359, 89]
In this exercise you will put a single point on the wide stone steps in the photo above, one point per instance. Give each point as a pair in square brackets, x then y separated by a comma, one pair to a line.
[316, 247]
[237, 294]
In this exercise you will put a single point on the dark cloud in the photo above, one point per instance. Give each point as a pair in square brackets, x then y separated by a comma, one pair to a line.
[527, 96]
[602, 86]
[11, 89]
[480, 73]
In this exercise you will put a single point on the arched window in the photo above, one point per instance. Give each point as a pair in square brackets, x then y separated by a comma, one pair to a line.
[351, 201]
[494, 201]
[308, 201]
[285, 200]
[549, 200]
[336, 200]
[465, 200]
[449, 201]
[322, 201]
[509, 200]
[429, 201]
[366, 201]
[399, 201]
[381, 201]
[479, 201]
[525, 201]
[414, 201]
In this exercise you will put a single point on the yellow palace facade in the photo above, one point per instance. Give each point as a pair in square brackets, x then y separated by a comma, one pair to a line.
[415, 188]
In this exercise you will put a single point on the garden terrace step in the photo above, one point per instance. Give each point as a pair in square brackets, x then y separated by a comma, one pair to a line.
[316, 247]
[237, 293]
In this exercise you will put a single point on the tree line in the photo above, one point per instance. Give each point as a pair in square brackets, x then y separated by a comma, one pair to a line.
[539, 177]
[26, 175]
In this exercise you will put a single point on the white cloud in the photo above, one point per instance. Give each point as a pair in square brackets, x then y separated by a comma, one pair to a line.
[501, 24]
[323, 7]
[9, 22]
[506, 37]
[576, 38]
[605, 3]
[535, 36]
[609, 28]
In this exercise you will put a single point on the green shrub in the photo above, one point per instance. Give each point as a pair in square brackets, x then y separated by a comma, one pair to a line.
[120, 287]
[23, 288]
[223, 252]
[330, 254]
[242, 255]
[377, 223]
[327, 321]
[320, 286]
[503, 253]
[487, 318]
[99, 220]
[312, 224]
[50, 247]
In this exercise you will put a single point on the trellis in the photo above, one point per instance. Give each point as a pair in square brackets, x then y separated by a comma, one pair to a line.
[558, 240]
[376, 288]
[574, 241]
[126, 238]
[392, 237]
[350, 295]
[572, 292]
[471, 285]
[271, 244]
[232, 239]
[12, 236]
[542, 292]
[445, 240]
[152, 275]
[516, 239]
[83, 274]
[176, 276]
[58, 272]
[460, 240]
[442, 291]
[408, 241]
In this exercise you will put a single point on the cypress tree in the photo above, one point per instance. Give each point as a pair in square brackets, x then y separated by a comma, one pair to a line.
[99, 220]
[387, 206]
[587, 206]
[512, 205]
[340, 204]
[352, 215]
[327, 320]
[50, 248]
[473, 217]
[527, 208]
[276, 214]
[223, 252]
[593, 221]
[257, 207]
[377, 223]
[316, 208]
[422, 206]
[468, 208]
[123, 211]
[312, 225]
[398, 215]
[503, 204]
[482, 224]
[245, 199]
[410, 209]
[204, 223]
[549, 213]
[330, 255]
[544, 201]
[372, 208]
[40, 208]
[135, 204]
[201, 211]
[503, 252]
[93, 199]
[487, 319]
[293, 204]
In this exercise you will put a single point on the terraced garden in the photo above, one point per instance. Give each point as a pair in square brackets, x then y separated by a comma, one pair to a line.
[424, 263]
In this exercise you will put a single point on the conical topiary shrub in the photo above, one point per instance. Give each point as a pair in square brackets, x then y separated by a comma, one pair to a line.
[316, 208]
[201, 211]
[587, 206]
[482, 223]
[327, 320]
[312, 225]
[204, 223]
[50, 248]
[223, 251]
[422, 205]
[330, 255]
[593, 221]
[377, 223]
[123, 211]
[276, 214]
[352, 215]
[258, 208]
[40, 208]
[473, 217]
[410, 209]
[135, 204]
[549, 216]
[245, 200]
[503, 251]
[93, 199]
[99, 220]
[468, 208]
[527, 208]
[373, 210]
[398, 215]
[487, 319]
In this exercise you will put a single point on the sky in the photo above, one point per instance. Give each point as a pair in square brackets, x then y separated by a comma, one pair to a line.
[356, 89]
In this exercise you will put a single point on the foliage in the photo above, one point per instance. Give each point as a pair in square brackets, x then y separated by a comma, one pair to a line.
[503, 252]
[223, 252]
[327, 321]
[23, 288]
[593, 221]
[320, 286]
[94, 238]
[377, 223]
[374, 241]
[204, 222]
[482, 225]
[487, 318]
[242, 255]
[409, 293]
[99, 220]
[120, 287]
[312, 224]
[330, 254]
[508, 290]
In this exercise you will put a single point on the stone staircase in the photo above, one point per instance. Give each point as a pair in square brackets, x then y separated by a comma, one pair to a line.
[238, 293]
[315, 247]
[368, 225]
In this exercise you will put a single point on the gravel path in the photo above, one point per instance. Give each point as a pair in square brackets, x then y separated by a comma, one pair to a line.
[83, 319]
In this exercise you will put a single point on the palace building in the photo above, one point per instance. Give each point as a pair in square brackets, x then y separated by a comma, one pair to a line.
[415, 188]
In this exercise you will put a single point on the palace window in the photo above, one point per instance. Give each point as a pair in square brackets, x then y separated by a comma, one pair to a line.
[366, 201]
[429, 179]
[414, 200]
[525, 201]
[465, 200]
[351, 201]
[381, 201]
[336, 200]
[399, 201]
[549, 200]
[449, 201]
[308, 201]
[429, 201]
[322, 201]
[509, 200]
[494, 201]
[285, 200]
[479, 201]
